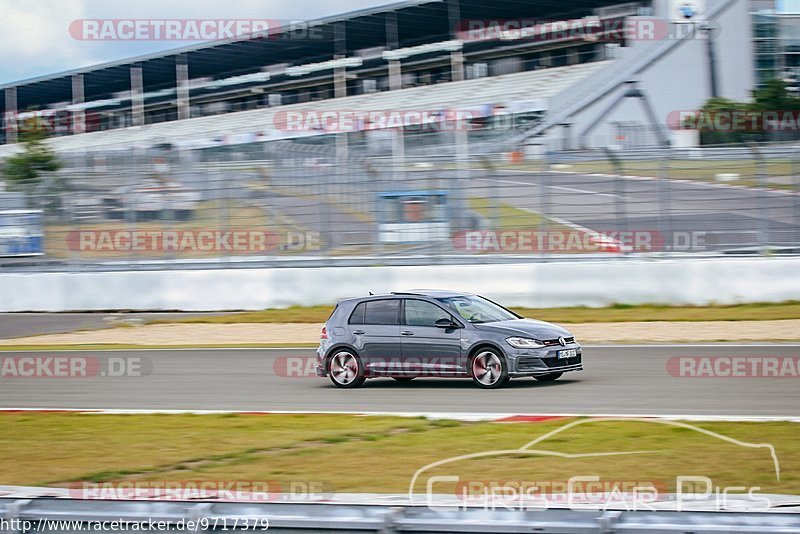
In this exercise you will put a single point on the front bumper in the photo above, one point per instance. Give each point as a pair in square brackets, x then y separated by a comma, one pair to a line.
[538, 362]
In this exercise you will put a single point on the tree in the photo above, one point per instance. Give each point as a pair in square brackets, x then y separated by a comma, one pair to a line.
[721, 107]
[23, 171]
[775, 96]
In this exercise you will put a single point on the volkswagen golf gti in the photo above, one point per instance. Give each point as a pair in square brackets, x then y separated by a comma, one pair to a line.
[432, 333]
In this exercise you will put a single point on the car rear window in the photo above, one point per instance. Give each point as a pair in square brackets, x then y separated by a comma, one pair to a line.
[335, 308]
[357, 317]
[382, 312]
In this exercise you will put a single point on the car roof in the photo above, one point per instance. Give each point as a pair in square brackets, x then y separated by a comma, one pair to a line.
[430, 293]
[433, 293]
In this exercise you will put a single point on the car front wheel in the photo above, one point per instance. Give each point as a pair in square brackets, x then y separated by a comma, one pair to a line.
[346, 370]
[489, 369]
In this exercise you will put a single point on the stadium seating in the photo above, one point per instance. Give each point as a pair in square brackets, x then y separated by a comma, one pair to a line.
[545, 83]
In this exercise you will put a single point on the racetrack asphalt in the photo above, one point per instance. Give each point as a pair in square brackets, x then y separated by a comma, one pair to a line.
[617, 379]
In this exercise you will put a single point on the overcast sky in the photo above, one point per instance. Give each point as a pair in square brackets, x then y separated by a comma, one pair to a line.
[35, 35]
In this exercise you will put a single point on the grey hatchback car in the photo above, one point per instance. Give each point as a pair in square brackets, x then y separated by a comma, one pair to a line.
[430, 333]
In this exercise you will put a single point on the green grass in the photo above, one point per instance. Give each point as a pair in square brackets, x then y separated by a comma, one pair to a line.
[47, 449]
[62, 449]
[208, 215]
[690, 169]
[627, 313]
[612, 314]
[505, 215]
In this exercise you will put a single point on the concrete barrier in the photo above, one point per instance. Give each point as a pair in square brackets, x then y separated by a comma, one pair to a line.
[578, 283]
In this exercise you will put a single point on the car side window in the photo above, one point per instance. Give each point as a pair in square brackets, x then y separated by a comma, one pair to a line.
[357, 317]
[422, 313]
[384, 312]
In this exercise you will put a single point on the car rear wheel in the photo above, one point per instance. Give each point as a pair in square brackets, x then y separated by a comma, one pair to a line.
[549, 377]
[489, 369]
[346, 370]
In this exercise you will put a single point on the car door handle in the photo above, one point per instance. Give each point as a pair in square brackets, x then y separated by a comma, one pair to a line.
[406, 333]
[358, 332]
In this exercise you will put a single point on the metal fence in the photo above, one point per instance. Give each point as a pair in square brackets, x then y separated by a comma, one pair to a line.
[388, 197]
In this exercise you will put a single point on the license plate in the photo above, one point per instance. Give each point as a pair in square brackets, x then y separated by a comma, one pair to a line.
[569, 353]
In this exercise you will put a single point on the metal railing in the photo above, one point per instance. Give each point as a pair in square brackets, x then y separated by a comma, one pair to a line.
[63, 515]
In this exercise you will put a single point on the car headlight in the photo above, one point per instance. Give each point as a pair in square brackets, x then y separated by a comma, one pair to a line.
[524, 343]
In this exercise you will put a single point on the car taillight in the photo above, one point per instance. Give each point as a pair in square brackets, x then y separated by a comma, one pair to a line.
[323, 333]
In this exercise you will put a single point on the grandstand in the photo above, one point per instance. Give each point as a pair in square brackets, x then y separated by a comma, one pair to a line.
[412, 55]
[246, 126]
[396, 49]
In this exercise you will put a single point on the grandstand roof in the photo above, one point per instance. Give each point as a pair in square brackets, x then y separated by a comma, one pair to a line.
[418, 21]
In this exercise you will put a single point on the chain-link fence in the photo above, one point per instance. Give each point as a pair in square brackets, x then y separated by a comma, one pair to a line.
[386, 197]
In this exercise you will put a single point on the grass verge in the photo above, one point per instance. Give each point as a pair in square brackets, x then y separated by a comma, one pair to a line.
[776, 173]
[381, 454]
[123, 346]
[507, 216]
[612, 314]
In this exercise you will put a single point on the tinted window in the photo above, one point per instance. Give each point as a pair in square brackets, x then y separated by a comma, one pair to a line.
[476, 309]
[421, 313]
[382, 311]
[357, 317]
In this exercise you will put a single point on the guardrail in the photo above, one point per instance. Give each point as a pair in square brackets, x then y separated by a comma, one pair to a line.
[589, 283]
[64, 515]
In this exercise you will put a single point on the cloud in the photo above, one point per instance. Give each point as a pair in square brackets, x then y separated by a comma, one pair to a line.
[38, 32]
[35, 35]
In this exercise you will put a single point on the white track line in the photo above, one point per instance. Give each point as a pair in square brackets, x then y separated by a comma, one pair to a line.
[587, 191]
[673, 180]
[461, 416]
[600, 238]
[569, 189]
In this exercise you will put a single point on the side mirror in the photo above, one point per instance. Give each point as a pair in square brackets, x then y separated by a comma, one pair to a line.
[445, 323]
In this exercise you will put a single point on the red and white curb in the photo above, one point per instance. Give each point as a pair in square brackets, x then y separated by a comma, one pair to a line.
[458, 416]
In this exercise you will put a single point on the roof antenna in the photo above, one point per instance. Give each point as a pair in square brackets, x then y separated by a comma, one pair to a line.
[371, 293]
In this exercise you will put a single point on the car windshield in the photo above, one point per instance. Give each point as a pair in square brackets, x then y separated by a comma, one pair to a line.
[477, 309]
